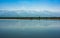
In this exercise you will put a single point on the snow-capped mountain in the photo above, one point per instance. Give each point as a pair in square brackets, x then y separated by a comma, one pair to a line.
[23, 13]
[6, 13]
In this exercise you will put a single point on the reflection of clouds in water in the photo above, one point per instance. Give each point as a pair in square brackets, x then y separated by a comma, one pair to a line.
[31, 28]
[54, 25]
[7, 22]
[29, 24]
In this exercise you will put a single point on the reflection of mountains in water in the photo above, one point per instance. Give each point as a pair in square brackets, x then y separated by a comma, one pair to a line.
[30, 18]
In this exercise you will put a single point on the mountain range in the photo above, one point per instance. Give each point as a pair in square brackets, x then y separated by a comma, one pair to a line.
[29, 13]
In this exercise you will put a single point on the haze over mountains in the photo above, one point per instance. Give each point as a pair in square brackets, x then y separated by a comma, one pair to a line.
[29, 13]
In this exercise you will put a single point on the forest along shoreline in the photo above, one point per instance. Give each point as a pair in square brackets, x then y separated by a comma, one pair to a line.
[37, 18]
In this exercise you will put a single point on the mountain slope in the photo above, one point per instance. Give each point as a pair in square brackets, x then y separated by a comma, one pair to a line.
[23, 13]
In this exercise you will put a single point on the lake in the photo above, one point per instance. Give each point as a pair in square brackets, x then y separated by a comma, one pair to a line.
[16, 28]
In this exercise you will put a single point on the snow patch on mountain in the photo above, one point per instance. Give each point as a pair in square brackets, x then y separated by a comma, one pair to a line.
[30, 13]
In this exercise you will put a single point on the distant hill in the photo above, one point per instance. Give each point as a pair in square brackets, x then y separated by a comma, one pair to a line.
[23, 13]
[5, 13]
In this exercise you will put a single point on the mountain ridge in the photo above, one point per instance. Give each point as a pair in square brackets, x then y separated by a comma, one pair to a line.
[23, 13]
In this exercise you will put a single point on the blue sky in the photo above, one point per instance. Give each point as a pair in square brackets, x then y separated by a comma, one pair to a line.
[39, 5]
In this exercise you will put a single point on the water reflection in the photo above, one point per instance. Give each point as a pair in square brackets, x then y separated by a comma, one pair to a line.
[30, 28]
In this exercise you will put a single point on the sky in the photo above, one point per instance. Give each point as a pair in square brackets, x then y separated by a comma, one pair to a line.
[37, 5]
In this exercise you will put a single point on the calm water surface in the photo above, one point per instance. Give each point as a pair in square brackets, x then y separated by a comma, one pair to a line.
[29, 28]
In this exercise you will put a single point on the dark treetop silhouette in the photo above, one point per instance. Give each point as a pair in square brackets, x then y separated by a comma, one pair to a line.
[30, 18]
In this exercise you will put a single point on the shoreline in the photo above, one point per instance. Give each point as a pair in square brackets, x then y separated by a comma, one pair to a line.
[37, 18]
